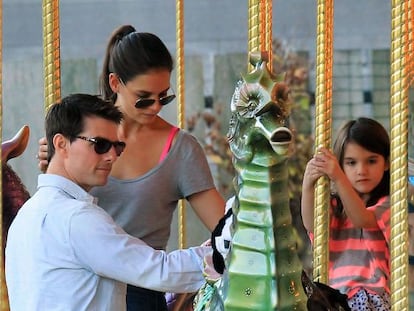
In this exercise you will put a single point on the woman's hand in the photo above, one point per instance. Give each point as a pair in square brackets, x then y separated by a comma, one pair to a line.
[42, 154]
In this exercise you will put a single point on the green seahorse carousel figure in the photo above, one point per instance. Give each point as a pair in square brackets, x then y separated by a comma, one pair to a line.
[263, 269]
[260, 269]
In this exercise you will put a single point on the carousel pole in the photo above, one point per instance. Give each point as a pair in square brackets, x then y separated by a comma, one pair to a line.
[409, 70]
[181, 105]
[51, 52]
[260, 28]
[398, 156]
[409, 47]
[4, 301]
[262, 23]
[253, 29]
[323, 124]
[265, 29]
[410, 40]
[268, 39]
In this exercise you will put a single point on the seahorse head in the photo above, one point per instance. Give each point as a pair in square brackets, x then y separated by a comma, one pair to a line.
[259, 112]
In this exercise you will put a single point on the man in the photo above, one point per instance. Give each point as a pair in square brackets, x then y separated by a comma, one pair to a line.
[66, 253]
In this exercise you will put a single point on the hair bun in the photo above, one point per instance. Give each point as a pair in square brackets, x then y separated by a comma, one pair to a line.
[124, 31]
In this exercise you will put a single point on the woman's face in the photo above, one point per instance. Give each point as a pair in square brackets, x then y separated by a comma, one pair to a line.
[155, 85]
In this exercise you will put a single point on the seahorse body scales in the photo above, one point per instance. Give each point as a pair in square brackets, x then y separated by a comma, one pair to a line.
[264, 270]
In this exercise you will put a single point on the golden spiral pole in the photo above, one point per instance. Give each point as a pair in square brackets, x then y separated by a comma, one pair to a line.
[253, 28]
[398, 167]
[51, 52]
[323, 116]
[410, 43]
[4, 301]
[269, 33]
[408, 36]
[265, 29]
[181, 105]
[262, 25]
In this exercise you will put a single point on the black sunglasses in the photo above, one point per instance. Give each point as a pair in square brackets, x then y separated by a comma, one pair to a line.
[103, 145]
[146, 102]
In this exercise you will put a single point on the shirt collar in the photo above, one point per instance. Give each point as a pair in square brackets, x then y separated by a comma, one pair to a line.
[65, 185]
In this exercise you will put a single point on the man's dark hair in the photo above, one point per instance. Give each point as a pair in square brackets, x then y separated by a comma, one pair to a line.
[67, 116]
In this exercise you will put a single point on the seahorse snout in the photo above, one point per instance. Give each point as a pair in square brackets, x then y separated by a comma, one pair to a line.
[280, 140]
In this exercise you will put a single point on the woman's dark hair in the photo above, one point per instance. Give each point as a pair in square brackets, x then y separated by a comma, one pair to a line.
[370, 135]
[130, 53]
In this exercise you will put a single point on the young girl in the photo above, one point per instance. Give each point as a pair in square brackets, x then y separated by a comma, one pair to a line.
[161, 164]
[359, 212]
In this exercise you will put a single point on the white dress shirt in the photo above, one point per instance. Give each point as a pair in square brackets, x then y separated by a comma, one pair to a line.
[66, 253]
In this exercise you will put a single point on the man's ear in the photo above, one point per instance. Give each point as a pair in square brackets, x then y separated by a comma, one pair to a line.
[60, 143]
[114, 82]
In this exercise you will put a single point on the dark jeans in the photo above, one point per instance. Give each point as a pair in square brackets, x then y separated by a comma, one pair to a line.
[141, 299]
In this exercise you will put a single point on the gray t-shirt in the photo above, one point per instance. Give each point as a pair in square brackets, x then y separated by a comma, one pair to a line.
[144, 206]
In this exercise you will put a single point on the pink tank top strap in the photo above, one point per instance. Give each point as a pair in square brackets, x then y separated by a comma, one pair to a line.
[168, 144]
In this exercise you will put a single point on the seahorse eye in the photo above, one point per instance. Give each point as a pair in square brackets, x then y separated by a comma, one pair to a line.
[253, 103]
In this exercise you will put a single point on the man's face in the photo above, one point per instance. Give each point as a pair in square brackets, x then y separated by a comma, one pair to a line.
[83, 164]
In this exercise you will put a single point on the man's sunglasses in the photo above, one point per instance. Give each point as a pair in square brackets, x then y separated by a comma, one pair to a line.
[103, 145]
[146, 102]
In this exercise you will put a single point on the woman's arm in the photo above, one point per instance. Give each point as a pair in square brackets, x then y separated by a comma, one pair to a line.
[209, 207]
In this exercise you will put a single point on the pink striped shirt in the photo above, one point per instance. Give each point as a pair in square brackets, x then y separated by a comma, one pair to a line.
[359, 258]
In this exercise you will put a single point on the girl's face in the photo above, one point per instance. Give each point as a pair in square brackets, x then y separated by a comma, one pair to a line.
[363, 168]
[152, 85]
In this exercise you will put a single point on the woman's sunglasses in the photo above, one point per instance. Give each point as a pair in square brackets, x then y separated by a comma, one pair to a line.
[146, 102]
[103, 145]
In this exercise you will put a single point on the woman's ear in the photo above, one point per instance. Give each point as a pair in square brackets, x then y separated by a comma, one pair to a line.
[114, 82]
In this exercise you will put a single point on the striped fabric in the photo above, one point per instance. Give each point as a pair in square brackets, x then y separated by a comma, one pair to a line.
[359, 258]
